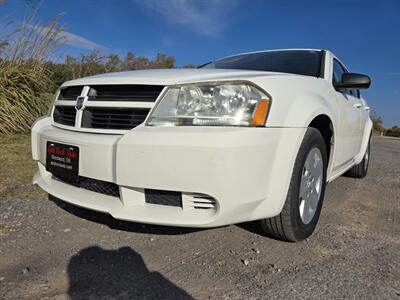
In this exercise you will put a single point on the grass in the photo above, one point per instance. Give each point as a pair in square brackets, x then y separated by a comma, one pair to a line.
[21, 98]
[25, 82]
[17, 168]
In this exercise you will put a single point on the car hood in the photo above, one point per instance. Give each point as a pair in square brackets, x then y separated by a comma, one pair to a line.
[171, 76]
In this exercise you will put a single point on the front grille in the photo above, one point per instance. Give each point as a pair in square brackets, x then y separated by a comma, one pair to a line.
[111, 115]
[64, 115]
[94, 185]
[70, 93]
[131, 92]
[113, 118]
[163, 197]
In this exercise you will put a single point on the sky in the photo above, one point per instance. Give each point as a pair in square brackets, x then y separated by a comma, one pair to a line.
[364, 34]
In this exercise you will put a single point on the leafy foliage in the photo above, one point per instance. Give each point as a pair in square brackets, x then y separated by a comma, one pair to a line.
[394, 131]
[97, 63]
[377, 122]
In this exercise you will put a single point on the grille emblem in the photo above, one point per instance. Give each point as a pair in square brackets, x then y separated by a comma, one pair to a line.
[80, 102]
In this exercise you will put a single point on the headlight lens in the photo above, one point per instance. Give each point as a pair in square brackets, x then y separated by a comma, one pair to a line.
[212, 104]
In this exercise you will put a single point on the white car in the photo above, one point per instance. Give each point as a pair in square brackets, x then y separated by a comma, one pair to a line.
[255, 136]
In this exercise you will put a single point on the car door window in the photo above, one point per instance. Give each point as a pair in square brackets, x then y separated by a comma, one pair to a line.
[338, 71]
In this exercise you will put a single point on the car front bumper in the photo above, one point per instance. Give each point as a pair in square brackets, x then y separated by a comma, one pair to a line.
[245, 170]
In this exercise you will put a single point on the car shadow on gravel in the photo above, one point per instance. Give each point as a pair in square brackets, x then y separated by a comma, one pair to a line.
[108, 220]
[96, 273]
[252, 227]
[255, 228]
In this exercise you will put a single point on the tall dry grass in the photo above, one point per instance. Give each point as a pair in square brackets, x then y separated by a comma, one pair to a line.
[21, 98]
[24, 79]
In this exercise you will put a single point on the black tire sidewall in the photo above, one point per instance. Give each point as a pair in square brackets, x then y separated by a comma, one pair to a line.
[312, 139]
[365, 169]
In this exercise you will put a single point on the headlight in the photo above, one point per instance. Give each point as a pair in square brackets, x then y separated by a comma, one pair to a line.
[212, 104]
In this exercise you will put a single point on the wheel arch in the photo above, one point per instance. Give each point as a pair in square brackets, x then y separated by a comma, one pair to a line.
[324, 124]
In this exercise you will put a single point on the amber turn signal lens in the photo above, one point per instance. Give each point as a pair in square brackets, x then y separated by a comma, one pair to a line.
[260, 114]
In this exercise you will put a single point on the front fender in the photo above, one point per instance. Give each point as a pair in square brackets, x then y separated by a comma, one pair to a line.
[314, 106]
[302, 110]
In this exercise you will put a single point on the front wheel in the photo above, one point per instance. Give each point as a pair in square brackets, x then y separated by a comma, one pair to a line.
[302, 207]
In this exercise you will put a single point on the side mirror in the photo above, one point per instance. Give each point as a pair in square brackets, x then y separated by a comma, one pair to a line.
[353, 81]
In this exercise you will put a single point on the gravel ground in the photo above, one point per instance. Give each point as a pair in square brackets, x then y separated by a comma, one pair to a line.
[52, 250]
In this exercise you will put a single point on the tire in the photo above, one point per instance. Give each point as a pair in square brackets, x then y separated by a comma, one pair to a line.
[295, 222]
[360, 170]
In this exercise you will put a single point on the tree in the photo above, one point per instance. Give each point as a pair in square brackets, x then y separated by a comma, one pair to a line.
[113, 63]
[377, 121]
[132, 62]
[394, 131]
[163, 61]
[129, 62]
[190, 66]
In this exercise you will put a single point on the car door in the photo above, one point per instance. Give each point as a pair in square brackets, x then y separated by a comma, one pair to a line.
[364, 113]
[349, 128]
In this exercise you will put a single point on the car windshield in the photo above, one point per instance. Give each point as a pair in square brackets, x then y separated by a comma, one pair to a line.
[302, 62]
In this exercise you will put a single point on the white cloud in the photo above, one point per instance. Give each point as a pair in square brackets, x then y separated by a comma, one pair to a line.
[69, 38]
[206, 17]
[78, 41]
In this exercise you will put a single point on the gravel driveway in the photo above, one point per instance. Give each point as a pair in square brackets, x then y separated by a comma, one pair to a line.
[49, 249]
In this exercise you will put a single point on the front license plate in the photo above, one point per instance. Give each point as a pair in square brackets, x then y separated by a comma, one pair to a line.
[62, 161]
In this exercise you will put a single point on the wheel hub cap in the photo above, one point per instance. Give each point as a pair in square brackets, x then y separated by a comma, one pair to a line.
[310, 185]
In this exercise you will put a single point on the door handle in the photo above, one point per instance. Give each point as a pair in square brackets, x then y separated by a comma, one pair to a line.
[357, 105]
